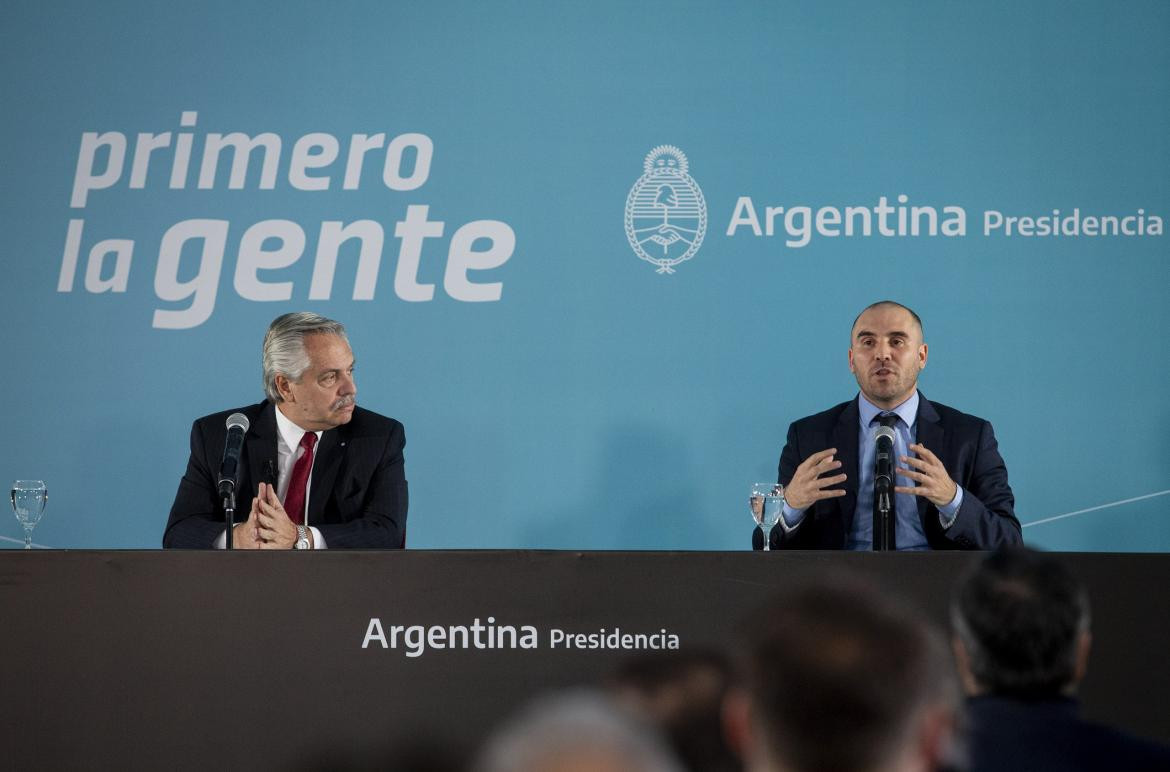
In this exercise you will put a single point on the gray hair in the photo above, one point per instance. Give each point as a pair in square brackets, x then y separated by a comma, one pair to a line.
[284, 347]
[570, 727]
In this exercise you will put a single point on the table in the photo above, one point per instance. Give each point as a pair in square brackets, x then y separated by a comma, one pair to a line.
[256, 660]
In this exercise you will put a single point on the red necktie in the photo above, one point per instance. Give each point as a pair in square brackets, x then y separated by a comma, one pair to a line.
[294, 497]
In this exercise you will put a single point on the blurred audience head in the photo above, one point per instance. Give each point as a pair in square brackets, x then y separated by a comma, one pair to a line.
[1021, 626]
[579, 731]
[834, 676]
[681, 693]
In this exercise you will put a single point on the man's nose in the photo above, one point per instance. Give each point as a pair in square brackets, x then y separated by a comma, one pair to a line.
[348, 384]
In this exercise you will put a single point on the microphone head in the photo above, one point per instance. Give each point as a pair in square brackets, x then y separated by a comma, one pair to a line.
[238, 420]
[883, 431]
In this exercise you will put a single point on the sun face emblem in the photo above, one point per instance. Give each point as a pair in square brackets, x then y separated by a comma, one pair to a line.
[666, 215]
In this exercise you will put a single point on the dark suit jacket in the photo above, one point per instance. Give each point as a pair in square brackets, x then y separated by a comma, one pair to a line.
[358, 496]
[1006, 735]
[965, 444]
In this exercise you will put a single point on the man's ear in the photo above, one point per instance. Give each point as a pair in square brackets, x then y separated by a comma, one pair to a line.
[963, 665]
[938, 727]
[737, 721]
[1081, 666]
[282, 388]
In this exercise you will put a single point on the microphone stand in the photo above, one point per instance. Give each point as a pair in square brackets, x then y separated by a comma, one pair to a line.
[229, 469]
[884, 511]
[229, 510]
[883, 481]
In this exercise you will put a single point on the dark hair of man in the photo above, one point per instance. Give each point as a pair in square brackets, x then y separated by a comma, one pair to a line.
[837, 677]
[681, 693]
[895, 304]
[1019, 614]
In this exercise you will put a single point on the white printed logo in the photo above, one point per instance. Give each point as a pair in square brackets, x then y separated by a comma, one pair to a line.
[666, 216]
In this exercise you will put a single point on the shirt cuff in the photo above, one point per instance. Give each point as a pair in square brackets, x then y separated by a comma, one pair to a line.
[791, 518]
[948, 514]
[318, 539]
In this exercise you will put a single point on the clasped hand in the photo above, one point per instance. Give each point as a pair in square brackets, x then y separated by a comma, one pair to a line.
[267, 526]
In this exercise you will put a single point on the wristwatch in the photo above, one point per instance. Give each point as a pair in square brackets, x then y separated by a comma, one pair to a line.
[302, 538]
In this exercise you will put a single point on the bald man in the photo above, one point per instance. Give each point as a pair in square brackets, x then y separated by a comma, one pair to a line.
[951, 488]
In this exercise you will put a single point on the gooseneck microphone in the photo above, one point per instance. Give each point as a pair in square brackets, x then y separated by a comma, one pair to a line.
[229, 470]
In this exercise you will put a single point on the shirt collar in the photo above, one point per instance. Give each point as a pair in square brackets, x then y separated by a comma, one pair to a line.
[290, 432]
[867, 411]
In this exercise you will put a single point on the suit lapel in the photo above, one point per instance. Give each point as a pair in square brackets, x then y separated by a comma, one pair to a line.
[845, 441]
[330, 452]
[931, 434]
[261, 445]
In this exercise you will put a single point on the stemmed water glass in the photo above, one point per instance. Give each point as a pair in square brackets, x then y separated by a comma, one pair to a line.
[28, 502]
[766, 503]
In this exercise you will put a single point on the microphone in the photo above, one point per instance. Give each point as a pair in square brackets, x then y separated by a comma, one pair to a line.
[269, 474]
[883, 472]
[883, 465]
[237, 426]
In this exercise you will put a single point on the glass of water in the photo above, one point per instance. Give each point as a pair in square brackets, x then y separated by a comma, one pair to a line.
[28, 502]
[766, 502]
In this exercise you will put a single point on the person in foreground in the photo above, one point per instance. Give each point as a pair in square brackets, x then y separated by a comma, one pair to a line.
[836, 677]
[316, 471]
[1021, 640]
[681, 693]
[575, 731]
[951, 490]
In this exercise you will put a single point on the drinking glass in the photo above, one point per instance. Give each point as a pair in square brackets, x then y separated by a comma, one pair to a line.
[28, 502]
[766, 502]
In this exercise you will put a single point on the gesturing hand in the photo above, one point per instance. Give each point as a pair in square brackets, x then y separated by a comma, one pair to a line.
[807, 486]
[931, 477]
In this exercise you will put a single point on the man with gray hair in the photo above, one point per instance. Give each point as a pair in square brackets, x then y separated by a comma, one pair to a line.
[319, 471]
[575, 731]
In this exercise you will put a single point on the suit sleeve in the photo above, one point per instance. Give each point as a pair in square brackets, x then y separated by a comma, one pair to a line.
[986, 519]
[378, 509]
[196, 520]
[789, 459]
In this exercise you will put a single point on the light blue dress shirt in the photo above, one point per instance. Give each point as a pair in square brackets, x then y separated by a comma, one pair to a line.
[908, 533]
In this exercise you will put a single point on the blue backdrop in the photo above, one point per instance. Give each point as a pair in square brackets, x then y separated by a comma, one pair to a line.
[572, 371]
